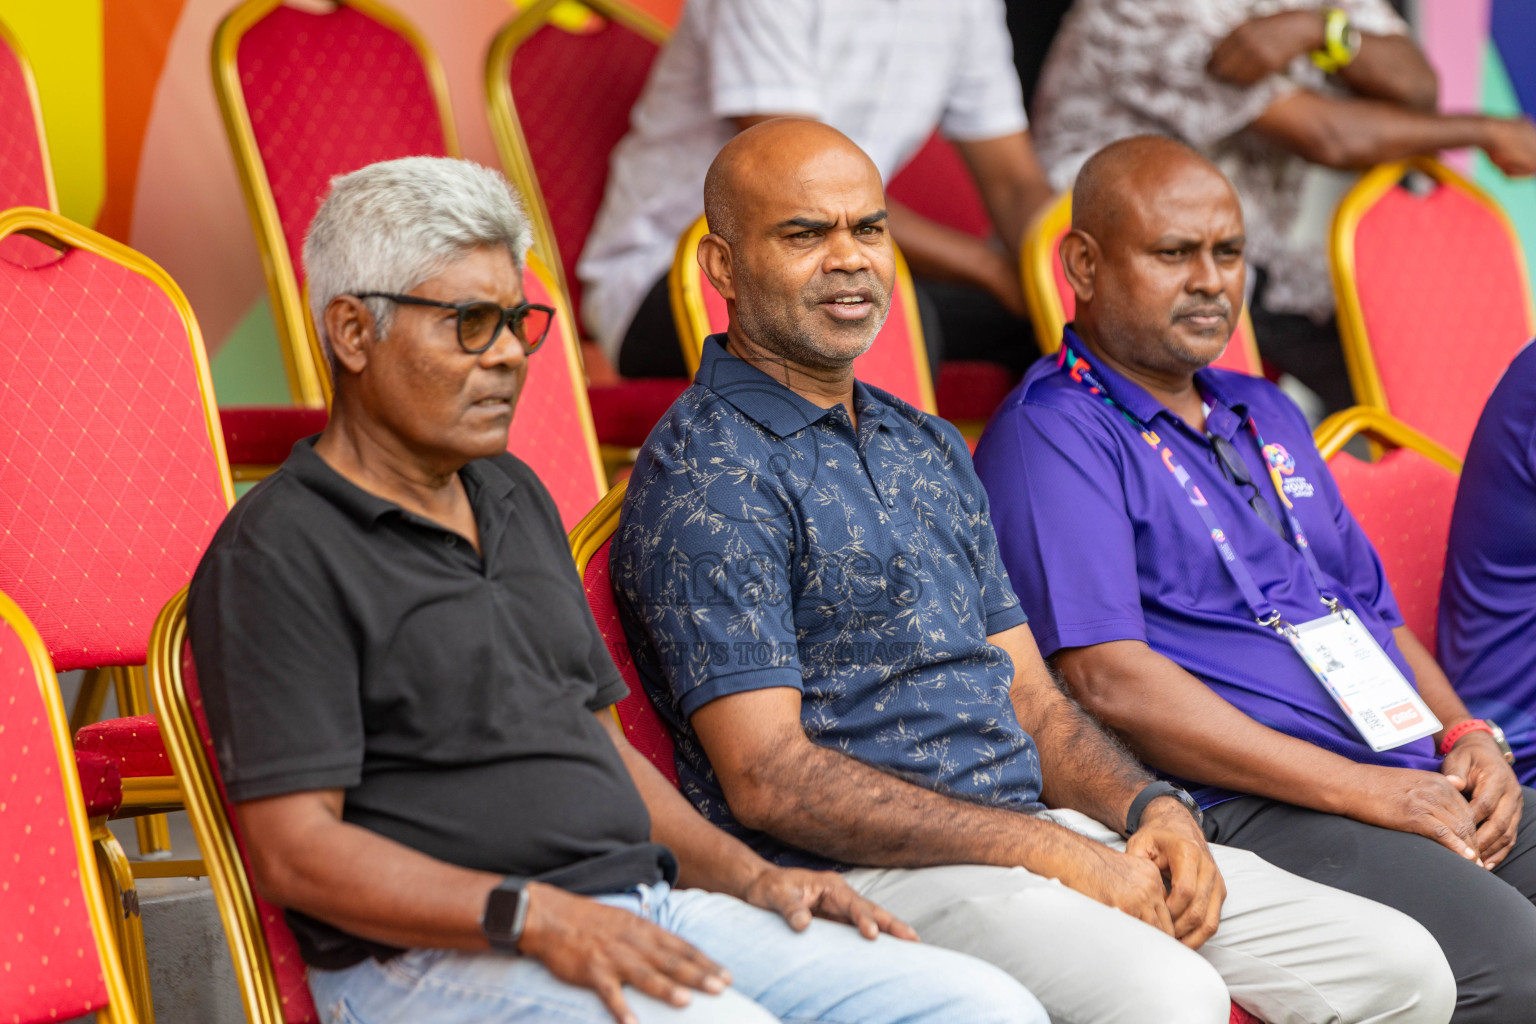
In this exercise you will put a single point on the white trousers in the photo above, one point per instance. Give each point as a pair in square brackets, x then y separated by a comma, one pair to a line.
[1288, 950]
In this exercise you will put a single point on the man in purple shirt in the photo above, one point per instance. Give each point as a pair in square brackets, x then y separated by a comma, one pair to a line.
[1487, 634]
[1164, 524]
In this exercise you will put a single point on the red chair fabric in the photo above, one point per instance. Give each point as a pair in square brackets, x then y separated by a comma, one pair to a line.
[970, 389]
[134, 743]
[1443, 299]
[641, 724]
[573, 92]
[23, 170]
[298, 1005]
[101, 783]
[1403, 502]
[263, 435]
[1242, 1016]
[111, 481]
[329, 93]
[624, 413]
[937, 184]
[50, 968]
[549, 430]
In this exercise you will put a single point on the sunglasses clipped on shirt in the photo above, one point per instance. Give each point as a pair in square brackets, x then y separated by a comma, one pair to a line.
[1236, 470]
[480, 323]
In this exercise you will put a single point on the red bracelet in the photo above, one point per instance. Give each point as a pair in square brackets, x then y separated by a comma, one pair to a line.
[1457, 732]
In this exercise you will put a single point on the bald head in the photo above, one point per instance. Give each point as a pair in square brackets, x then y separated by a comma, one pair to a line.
[1124, 173]
[1155, 255]
[798, 245]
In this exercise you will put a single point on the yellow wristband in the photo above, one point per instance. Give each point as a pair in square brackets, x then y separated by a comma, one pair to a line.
[1341, 42]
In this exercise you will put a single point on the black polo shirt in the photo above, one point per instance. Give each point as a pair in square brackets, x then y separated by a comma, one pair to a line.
[344, 643]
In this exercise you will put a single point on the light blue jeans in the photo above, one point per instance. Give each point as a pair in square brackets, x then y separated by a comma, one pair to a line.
[827, 974]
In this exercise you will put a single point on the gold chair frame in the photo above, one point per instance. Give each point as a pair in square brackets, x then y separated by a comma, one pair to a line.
[1383, 429]
[1364, 376]
[308, 380]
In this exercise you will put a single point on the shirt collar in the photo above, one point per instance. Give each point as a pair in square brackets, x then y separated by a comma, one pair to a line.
[306, 465]
[765, 401]
[1224, 418]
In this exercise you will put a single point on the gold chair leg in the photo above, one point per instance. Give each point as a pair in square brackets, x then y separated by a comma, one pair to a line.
[122, 899]
[89, 701]
[132, 690]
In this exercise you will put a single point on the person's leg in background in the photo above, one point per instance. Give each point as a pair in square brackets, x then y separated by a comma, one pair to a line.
[651, 346]
[831, 974]
[1483, 921]
[974, 325]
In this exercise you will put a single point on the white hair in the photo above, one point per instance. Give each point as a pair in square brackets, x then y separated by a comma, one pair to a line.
[392, 225]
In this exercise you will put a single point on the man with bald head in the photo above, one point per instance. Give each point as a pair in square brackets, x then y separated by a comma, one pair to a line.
[808, 578]
[1194, 574]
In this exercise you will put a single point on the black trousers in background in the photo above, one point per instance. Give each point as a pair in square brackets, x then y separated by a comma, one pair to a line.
[1307, 350]
[959, 322]
[1484, 920]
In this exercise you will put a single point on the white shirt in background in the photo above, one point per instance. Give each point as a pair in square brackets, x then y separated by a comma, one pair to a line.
[884, 72]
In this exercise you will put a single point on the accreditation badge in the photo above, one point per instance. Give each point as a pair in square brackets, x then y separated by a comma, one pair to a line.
[1384, 707]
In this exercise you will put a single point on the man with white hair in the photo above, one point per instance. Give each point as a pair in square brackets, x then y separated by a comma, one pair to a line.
[412, 705]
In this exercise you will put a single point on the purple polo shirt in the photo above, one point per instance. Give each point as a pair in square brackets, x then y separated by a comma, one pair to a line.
[1488, 598]
[1102, 544]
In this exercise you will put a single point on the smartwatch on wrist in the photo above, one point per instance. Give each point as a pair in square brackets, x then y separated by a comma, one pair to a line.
[1454, 734]
[506, 911]
[1151, 792]
[1341, 42]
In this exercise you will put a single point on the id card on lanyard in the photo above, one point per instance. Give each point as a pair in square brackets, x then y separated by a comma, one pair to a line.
[1380, 702]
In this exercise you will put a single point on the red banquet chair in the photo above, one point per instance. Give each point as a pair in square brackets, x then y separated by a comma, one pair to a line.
[306, 96]
[268, 970]
[561, 78]
[1403, 501]
[26, 178]
[897, 361]
[590, 543]
[59, 945]
[1051, 301]
[1434, 300]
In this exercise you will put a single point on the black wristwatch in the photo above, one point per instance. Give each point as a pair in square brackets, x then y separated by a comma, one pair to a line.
[1152, 791]
[506, 911]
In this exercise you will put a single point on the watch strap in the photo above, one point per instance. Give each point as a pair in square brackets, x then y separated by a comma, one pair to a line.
[1341, 42]
[506, 912]
[1151, 792]
[1454, 734]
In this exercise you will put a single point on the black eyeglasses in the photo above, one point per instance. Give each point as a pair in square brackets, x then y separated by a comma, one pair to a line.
[480, 323]
[1236, 470]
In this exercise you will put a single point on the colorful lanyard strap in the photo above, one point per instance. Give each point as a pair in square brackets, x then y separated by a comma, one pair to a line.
[1264, 610]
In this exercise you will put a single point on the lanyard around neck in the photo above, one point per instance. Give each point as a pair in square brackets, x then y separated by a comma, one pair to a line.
[1264, 610]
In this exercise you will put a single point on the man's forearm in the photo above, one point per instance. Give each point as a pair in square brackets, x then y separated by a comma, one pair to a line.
[1355, 134]
[1393, 68]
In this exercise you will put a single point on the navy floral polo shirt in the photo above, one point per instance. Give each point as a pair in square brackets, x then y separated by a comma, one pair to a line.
[764, 542]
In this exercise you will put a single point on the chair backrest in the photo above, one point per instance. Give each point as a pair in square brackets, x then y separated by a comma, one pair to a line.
[57, 943]
[111, 459]
[1052, 303]
[270, 974]
[590, 544]
[897, 361]
[937, 184]
[1433, 297]
[1403, 501]
[307, 96]
[26, 179]
[552, 430]
[561, 78]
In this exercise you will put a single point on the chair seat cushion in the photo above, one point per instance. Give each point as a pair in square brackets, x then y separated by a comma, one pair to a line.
[970, 389]
[134, 743]
[263, 435]
[100, 782]
[624, 413]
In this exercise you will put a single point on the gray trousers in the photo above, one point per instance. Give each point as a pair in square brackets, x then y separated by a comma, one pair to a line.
[1288, 950]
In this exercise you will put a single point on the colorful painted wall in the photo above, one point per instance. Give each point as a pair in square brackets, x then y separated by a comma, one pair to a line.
[139, 152]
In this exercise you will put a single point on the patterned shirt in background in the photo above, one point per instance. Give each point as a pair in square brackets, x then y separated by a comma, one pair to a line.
[1132, 67]
[764, 543]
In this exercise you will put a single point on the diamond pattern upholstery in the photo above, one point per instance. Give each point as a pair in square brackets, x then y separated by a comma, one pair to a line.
[263, 435]
[50, 968]
[101, 783]
[1441, 290]
[551, 429]
[111, 481]
[638, 718]
[134, 743]
[23, 176]
[573, 93]
[1403, 502]
[937, 184]
[329, 93]
[298, 1006]
[624, 413]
